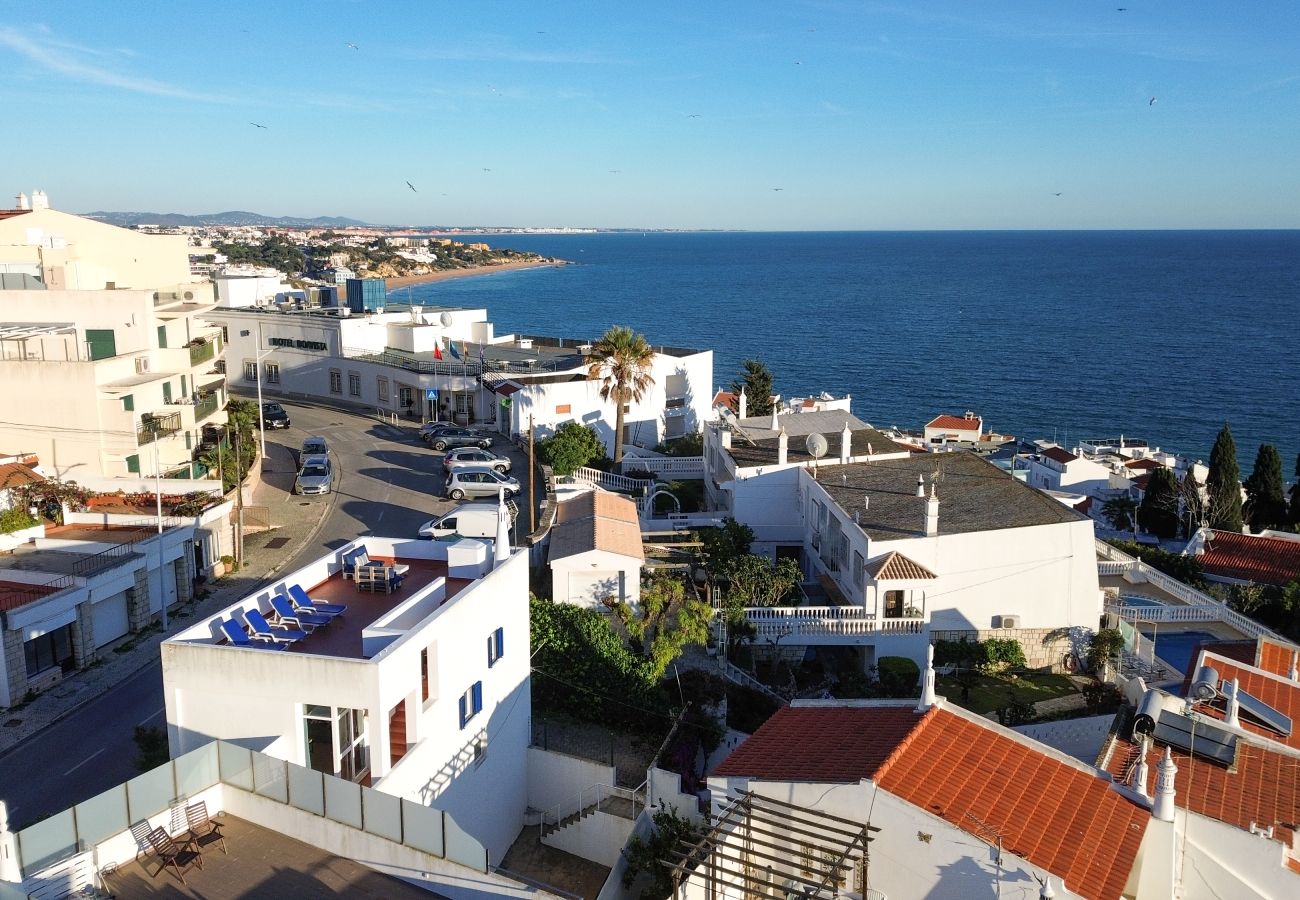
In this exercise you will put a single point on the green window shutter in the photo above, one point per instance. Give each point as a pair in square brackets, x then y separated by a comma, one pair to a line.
[133, 464]
[102, 341]
[167, 392]
[128, 403]
[189, 441]
[184, 392]
[162, 336]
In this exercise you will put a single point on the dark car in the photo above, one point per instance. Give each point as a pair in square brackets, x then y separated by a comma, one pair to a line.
[458, 437]
[274, 416]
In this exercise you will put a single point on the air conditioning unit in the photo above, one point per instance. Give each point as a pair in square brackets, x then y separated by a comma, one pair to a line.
[1009, 621]
[141, 365]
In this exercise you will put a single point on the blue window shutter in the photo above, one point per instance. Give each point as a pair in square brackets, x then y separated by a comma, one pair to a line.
[464, 717]
[501, 642]
[478, 696]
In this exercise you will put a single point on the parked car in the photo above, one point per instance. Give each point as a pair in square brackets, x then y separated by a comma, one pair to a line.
[274, 416]
[473, 520]
[313, 446]
[315, 477]
[479, 481]
[445, 438]
[428, 428]
[474, 456]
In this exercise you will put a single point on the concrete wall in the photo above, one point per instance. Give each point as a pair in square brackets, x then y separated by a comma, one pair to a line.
[556, 779]
[597, 836]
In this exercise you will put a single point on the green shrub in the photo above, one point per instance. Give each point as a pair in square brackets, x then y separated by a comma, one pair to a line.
[899, 676]
[12, 520]
[572, 446]
[1184, 568]
[989, 655]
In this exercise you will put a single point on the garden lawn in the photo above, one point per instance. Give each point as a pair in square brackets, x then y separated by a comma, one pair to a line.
[989, 692]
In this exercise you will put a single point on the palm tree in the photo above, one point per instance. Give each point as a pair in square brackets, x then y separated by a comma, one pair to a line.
[621, 360]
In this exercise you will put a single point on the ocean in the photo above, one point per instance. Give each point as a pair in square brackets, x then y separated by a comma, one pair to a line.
[1162, 335]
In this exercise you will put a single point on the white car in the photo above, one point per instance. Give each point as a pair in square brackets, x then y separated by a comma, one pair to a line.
[474, 456]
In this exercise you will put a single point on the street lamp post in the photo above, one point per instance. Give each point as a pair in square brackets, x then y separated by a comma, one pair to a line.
[157, 492]
[259, 355]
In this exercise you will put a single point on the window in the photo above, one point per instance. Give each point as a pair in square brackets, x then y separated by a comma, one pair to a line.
[424, 675]
[133, 463]
[250, 370]
[382, 388]
[354, 384]
[128, 403]
[167, 392]
[859, 568]
[336, 381]
[405, 398]
[471, 703]
[479, 749]
[336, 741]
[54, 648]
[496, 646]
[272, 373]
[464, 403]
[162, 336]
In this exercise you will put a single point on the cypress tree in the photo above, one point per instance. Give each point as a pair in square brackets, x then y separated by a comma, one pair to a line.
[1158, 513]
[756, 380]
[1265, 501]
[1224, 483]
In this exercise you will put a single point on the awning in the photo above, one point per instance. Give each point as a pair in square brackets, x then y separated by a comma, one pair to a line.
[503, 386]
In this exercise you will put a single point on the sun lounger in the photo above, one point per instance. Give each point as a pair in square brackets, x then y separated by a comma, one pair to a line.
[180, 856]
[286, 614]
[262, 629]
[298, 597]
[239, 638]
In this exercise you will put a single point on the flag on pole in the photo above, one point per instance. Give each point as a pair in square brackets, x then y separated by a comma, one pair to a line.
[451, 345]
[437, 353]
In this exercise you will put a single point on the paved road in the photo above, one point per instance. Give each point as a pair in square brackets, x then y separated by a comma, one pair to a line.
[387, 482]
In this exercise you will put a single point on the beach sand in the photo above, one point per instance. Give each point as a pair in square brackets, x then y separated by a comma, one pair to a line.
[392, 283]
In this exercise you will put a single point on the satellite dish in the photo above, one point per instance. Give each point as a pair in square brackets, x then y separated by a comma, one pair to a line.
[445, 319]
[817, 446]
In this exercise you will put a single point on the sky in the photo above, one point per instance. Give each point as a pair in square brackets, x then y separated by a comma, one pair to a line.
[765, 116]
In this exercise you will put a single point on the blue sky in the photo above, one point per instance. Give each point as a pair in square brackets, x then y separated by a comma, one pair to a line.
[688, 115]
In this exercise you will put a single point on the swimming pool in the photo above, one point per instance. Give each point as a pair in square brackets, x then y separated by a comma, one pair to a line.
[1134, 600]
[1178, 647]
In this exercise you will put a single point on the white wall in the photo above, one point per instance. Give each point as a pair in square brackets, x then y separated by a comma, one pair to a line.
[558, 779]
[585, 579]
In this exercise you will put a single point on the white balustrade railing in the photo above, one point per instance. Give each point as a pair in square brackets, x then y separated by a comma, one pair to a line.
[668, 467]
[782, 621]
[611, 482]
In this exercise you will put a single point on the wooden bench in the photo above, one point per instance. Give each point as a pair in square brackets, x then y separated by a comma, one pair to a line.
[377, 577]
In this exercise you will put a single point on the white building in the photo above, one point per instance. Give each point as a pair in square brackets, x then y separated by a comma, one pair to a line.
[595, 550]
[422, 694]
[953, 806]
[432, 363]
[1054, 468]
[105, 355]
[946, 429]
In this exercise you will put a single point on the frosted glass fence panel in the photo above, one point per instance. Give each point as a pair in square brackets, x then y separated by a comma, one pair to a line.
[422, 828]
[196, 771]
[236, 765]
[102, 817]
[270, 778]
[383, 814]
[343, 801]
[306, 790]
[47, 841]
[463, 849]
[150, 793]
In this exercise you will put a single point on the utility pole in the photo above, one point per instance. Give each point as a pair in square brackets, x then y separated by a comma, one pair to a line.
[532, 476]
[239, 500]
[157, 491]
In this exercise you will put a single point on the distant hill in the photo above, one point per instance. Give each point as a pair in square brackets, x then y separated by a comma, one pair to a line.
[236, 217]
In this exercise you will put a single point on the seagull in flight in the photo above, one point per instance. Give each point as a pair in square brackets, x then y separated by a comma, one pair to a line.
[412, 187]
[256, 125]
[1057, 194]
[778, 189]
[1151, 102]
[615, 171]
[487, 170]
[693, 116]
[352, 45]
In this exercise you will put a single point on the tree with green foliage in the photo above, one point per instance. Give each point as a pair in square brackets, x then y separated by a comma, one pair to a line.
[1184, 568]
[665, 622]
[1224, 483]
[757, 383]
[760, 581]
[1103, 647]
[621, 361]
[1158, 513]
[723, 545]
[573, 445]
[1120, 512]
[670, 833]
[1265, 501]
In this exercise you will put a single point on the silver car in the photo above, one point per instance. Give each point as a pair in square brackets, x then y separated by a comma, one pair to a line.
[315, 477]
[479, 481]
[476, 457]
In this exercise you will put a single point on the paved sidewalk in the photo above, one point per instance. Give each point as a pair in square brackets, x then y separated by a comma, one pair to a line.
[296, 519]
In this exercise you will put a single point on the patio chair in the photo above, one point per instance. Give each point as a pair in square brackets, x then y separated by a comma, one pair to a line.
[140, 831]
[355, 560]
[262, 629]
[204, 830]
[239, 638]
[285, 613]
[298, 597]
[180, 856]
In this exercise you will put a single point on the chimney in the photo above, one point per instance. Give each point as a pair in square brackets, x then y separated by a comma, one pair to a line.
[1163, 807]
[782, 447]
[920, 485]
[1231, 710]
[927, 681]
[1046, 891]
[1140, 770]
[39, 200]
[846, 443]
[23, 202]
[775, 423]
[724, 434]
[931, 514]
[501, 550]
[742, 403]
[1294, 674]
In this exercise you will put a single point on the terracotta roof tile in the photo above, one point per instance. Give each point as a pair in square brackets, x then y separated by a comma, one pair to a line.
[596, 520]
[894, 566]
[16, 475]
[1251, 557]
[1059, 454]
[727, 399]
[1277, 691]
[956, 423]
[1147, 464]
[1275, 656]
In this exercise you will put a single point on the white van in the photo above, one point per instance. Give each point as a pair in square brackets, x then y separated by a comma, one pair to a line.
[472, 520]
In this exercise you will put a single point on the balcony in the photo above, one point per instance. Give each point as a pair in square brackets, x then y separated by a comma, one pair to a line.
[202, 352]
[206, 406]
[153, 427]
[827, 621]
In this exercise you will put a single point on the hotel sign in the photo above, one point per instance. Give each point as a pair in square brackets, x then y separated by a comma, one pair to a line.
[299, 345]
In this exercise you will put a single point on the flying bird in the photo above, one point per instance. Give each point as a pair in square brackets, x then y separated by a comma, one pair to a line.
[778, 189]
[1057, 194]
[693, 116]
[487, 170]
[256, 125]
[615, 171]
[352, 45]
[412, 187]
[1151, 102]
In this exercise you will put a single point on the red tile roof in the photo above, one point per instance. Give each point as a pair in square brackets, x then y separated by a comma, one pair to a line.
[727, 399]
[956, 423]
[1059, 454]
[16, 475]
[895, 566]
[1277, 691]
[1147, 464]
[1054, 814]
[1250, 557]
[10, 213]
[1275, 656]
[824, 743]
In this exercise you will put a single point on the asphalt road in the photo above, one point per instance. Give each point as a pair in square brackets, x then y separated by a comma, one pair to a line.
[387, 482]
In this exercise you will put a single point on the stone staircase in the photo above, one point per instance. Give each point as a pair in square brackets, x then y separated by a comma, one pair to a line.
[600, 825]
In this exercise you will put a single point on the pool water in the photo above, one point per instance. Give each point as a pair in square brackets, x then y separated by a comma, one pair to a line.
[1178, 647]
[1145, 602]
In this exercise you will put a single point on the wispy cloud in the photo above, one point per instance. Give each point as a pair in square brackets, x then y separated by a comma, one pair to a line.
[76, 63]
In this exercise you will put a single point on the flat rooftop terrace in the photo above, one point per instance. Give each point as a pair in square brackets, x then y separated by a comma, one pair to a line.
[14, 594]
[261, 863]
[104, 534]
[64, 562]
